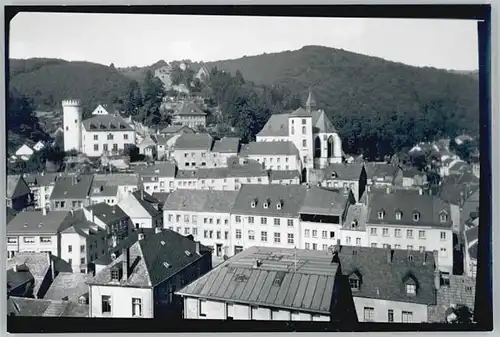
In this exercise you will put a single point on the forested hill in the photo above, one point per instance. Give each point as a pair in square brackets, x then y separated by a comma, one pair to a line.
[354, 86]
[49, 81]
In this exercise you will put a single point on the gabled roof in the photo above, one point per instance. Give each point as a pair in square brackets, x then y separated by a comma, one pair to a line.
[68, 286]
[197, 141]
[285, 174]
[177, 128]
[343, 171]
[117, 179]
[153, 260]
[159, 169]
[146, 201]
[300, 112]
[21, 277]
[227, 145]
[106, 213]
[276, 126]
[106, 123]
[72, 187]
[322, 201]
[285, 148]
[381, 170]
[16, 187]
[408, 203]
[101, 189]
[41, 179]
[357, 214]
[274, 283]
[35, 223]
[321, 123]
[200, 200]
[384, 276]
[188, 108]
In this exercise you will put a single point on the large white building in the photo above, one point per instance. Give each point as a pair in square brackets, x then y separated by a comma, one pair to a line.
[310, 131]
[103, 133]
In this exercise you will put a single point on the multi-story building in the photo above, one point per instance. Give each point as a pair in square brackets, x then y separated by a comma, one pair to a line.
[189, 114]
[205, 214]
[102, 192]
[224, 149]
[158, 177]
[192, 151]
[143, 210]
[37, 232]
[292, 177]
[71, 192]
[125, 183]
[264, 283]
[18, 193]
[406, 219]
[282, 155]
[141, 281]
[41, 186]
[383, 174]
[346, 176]
[310, 130]
[390, 285]
[113, 219]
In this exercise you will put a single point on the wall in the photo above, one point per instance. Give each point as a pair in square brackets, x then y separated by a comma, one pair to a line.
[200, 158]
[68, 204]
[121, 301]
[88, 141]
[321, 242]
[381, 308]
[18, 244]
[272, 139]
[278, 162]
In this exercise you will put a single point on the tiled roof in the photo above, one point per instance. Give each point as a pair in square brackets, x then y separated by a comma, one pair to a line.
[102, 189]
[290, 196]
[177, 128]
[159, 169]
[286, 278]
[227, 145]
[18, 278]
[472, 234]
[276, 126]
[106, 213]
[154, 259]
[383, 273]
[270, 148]
[407, 203]
[324, 202]
[161, 196]
[35, 223]
[198, 141]
[457, 190]
[343, 171]
[38, 265]
[356, 217]
[321, 123]
[147, 202]
[72, 187]
[68, 286]
[285, 175]
[300, 112]
[16, 187]
[106, 123]
[461, 290]
[148, 141]
[47, 308]
[41, 179]
[201, 201]
[381, 170]
[188, 108]
[162, 140]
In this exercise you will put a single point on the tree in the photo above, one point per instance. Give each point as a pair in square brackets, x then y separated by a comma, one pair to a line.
[463, 315]
[465, 150]
[133, 100]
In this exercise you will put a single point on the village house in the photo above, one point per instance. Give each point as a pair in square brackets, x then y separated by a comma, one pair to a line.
[100, 191]
[158, 177]
[414, 178]
[143, 209]
[126, 183]
[224, 149]
[71, 192]
[292, 177]
[272, 284]
[204, 214]
[390, 285]
[383, 174]
[24, 152]
[280, 155]
[113, 219]
[189, 114]
[192, 151]
[18, 194]
[22, 306]
[141, 281]
[175, 130]
[345, 176]
[41, 186]
[148, 147]
[69, 287]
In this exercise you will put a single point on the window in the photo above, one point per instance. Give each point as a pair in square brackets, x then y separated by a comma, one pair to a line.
[277, 237]
[96, 147]
[315, 233]
[293, 130]
[263, 220]
[421, 234]
[411, 289]
[315, 246]
[238, 219]
[307, 246]
[205, 234]
[45, 239]
[29, 239]
[82, 260]
[136, 307]
[277, 221]
[307, 233]
[409, 234]
[238, 234]
[290, 238]
[443, 217]
[373, 231]
[385, 231]
[390, 316]
[325, 248]
[251, 235]
[70, 261]
[397, 246]
[263, 236]
[106, 303]
[443, 235]
[195, 231]
[442, 252]
[369, 314]
[409, 247]
[374, 245]
[229, 311]
[303, 130]
[332, 235]
[348, 240]
[398, 215]
[11, 240]
[110, 136]
[226, 235]
[186, 218]
[203, 308]
[290, 222]
[397, 233]
[194, 219]
[304, 143]
[125, 136]
[385, 246]
[407, 317]
[380, 215]
[416, 216]
[354, 283]
[324, 234]
[358, 241]
[178, 218]
[96, 137]
[186, 230]
[82, 248]
[251, 220]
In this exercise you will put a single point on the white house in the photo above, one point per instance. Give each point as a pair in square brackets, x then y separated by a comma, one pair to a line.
[205, 214]
[158, 177]
[189, 114]
[143, 210]
[272, 285]
[41, 186]
[292, 177]
[141, 281]
[100, 191]
[24, 152]
[193, 150]
[277, 156]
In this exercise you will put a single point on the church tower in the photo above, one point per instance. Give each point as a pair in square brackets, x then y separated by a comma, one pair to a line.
[311, 102]
[72, 124]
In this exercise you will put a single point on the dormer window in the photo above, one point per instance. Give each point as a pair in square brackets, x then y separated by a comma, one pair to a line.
[354, 223]
[253, 203]
[399, 215]
[334, 174]
[381, 214]
[411, 289]
[416, 216]
[355, 281]
[115, 274]
[278, 205]
[443, 217]
[266, 204]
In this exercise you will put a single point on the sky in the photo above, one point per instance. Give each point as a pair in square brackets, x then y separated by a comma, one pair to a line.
[140, 40]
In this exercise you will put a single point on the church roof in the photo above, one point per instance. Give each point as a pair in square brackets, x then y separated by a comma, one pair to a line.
[321, 123]
[276, 126]
[300, 112]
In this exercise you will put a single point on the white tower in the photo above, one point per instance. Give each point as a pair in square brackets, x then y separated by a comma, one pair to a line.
[72, 124]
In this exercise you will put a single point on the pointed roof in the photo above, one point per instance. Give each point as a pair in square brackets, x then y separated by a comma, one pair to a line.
[311, 101]
[321, 123]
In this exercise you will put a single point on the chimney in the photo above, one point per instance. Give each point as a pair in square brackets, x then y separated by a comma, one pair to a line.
[388, 189]
[140, 236]
[368, 188]
[52, 267]
[257, 263]
[198, 248]
[72, 213]
[44, 211]
[113, 241]
[142, 194]
[125, 263]
[14, 268]
[437, 278]
[388, 254]
[158, 230]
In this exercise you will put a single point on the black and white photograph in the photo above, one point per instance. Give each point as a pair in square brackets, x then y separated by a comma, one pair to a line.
[226, 172]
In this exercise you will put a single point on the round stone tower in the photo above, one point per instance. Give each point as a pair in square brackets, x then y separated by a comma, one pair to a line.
[72, 125]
